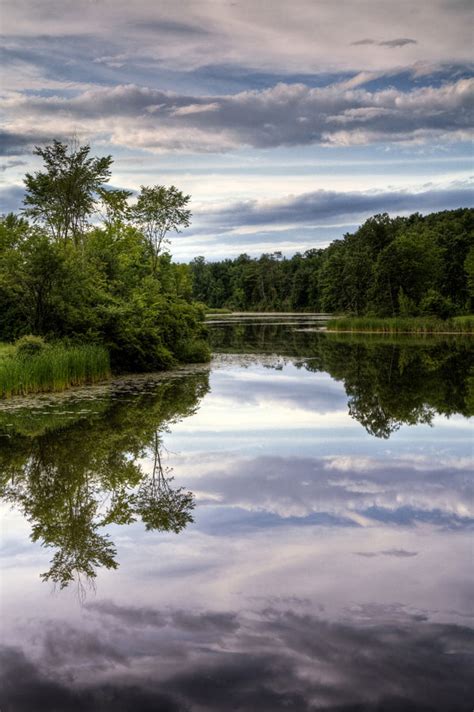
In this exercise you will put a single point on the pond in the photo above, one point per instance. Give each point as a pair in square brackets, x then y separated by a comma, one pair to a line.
[289, 528]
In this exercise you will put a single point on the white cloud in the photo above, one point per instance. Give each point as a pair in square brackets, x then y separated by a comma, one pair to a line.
[141, 116]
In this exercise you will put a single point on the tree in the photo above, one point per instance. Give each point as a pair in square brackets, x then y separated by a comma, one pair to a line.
[64, 195]
[158, 211]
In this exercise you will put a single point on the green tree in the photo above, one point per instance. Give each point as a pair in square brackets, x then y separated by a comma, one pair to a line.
[64, 195]
[158, 211]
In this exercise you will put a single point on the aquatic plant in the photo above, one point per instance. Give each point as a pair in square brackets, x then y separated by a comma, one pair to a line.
[408, 325]
[54, 368]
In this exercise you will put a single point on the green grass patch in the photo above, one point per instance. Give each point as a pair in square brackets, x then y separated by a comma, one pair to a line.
[6, 351]
[55, 368]
[209, 311]
[404, 325]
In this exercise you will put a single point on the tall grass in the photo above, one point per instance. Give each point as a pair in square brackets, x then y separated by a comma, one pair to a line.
[210, 311]
[404, 325]
[55, 368]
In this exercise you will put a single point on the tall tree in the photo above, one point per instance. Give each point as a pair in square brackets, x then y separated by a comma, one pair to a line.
[158, 211]
[64, 195]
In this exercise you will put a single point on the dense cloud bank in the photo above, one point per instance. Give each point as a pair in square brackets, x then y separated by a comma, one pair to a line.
[406, 491]
[321, 206]
[312, 37]
[283, 115]
[126, 658]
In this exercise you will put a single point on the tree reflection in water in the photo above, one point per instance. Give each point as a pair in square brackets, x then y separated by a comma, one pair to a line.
[73, 480]
[73, 474]
[389, 380]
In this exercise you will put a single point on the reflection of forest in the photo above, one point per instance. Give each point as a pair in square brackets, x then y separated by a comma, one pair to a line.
[74, 472]
[72, 480]
[390, 381]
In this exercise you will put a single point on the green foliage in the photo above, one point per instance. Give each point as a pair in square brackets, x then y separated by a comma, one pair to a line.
[158, 211]
[52, 368]
[64, 195]
[111, 284]
[29, 345]
[464, 323]
[403, 325]
[388, 267]
[406, 305]
[196, 351]
[434, 304]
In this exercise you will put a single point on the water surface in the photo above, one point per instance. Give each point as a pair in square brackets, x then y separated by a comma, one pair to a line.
[290, 528]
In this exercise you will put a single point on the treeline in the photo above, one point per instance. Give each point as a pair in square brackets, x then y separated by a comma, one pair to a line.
[81, 264]
[418, 265]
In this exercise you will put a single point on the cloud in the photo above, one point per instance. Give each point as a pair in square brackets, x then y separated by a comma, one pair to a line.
[18, 143]
[398, 553]
[195, 622]
[321, 206]
[338, 490]
[11, 164]
[399, 42]
[367, 41]
[277, 658]
[283, 115]
[251, 35]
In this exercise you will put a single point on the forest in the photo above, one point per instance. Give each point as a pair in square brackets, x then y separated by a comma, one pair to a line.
[402, 266]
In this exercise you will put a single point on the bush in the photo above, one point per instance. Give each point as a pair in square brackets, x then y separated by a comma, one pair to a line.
[30, 345]
[406, 306]
[197, 351]
[434, 304]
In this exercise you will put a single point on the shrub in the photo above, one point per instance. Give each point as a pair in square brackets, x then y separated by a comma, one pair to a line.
[30, 345]
[434, 304]
[197, 351]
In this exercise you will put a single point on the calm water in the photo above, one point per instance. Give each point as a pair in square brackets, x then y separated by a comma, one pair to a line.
[289, 529]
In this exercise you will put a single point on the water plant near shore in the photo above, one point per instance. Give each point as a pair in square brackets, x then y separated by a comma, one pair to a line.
[405, 325]
[54, 368]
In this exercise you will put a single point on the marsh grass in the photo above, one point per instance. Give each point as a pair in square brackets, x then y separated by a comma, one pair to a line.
[211, 311]
[404, 325]
[55, 368]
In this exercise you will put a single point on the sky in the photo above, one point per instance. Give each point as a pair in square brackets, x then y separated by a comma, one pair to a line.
[288, 124]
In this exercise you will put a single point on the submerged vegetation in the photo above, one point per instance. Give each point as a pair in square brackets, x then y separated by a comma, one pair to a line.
[83, 265]
[390, 267]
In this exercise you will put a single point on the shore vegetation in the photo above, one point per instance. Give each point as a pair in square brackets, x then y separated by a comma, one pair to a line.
[404, 325]
[87, 270]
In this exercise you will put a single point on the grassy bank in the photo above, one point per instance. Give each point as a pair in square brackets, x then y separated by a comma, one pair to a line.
[54, 368]
[404, 325]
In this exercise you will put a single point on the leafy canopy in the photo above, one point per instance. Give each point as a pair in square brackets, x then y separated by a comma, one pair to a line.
[64, 195]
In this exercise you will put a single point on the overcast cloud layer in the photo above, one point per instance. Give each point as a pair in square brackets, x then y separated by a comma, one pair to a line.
[242, 103]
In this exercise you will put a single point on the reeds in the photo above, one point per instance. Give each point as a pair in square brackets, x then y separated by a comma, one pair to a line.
[55, 368]
[404, 325]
